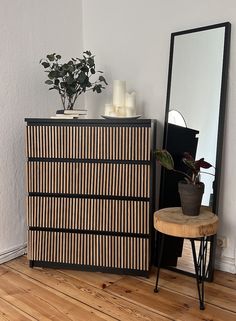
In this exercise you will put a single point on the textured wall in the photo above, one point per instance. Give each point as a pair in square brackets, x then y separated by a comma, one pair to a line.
[29, 29]
[132, 40]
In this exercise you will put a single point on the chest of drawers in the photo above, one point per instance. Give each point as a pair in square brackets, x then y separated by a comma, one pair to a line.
[90, 194]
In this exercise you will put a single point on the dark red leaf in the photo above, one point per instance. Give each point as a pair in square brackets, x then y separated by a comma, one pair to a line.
[188, 156]
[204, 164]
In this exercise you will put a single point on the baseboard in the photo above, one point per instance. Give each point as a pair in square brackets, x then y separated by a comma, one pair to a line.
[12, 253]
[225, 264]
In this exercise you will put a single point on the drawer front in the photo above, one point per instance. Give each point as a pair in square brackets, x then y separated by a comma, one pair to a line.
[117, 216]
[90, 250]
[105, 179]
[88, 142]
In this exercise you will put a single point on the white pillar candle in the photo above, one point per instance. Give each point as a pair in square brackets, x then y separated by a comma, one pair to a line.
[109, 110]
[119, 90]
[129, 111]
[130, 101]
[121, 111]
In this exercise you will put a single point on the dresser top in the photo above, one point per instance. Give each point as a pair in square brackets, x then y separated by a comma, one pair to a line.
[89, 122]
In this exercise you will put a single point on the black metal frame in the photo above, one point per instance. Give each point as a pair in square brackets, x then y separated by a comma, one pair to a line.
[216, 187]
[88, 268]
[200, 265]
[151, 199]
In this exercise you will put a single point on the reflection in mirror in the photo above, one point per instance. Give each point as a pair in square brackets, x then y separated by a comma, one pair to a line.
[175, 118]
[197, 91]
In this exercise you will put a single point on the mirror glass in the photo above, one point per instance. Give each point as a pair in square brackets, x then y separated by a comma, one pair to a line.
[195, 113]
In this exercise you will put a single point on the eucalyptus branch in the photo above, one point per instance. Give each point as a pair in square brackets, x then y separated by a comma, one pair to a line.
[63, 102]
[71, 79]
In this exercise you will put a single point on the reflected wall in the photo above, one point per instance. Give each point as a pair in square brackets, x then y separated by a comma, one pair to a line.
[195, 90]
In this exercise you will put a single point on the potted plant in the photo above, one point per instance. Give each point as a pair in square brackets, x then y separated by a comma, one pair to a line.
[191, 188]
[72, 78]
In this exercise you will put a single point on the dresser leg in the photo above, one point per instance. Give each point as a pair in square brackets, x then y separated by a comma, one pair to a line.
[31, 264]
[159, 261]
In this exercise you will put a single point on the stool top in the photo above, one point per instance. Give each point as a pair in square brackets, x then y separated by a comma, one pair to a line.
[172, 221]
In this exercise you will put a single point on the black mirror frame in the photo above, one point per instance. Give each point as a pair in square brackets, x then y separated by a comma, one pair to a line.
[216, 187]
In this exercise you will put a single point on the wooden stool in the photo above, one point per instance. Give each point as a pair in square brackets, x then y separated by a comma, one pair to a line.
[171, 221]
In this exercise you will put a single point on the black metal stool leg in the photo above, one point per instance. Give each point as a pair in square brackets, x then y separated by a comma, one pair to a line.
[159, 261]
[200, 268]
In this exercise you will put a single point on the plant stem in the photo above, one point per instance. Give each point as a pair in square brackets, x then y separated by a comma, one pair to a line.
[183, 173]
[207, 173]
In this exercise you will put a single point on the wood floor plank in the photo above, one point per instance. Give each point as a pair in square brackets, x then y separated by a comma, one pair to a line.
[9, 313]
[39, 302]
[225, 279]
[110, 305]
[98, 279]
[38, 294]
[167, 302]
[215, 293]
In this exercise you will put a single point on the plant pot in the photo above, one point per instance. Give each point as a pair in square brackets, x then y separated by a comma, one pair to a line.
[190, 197]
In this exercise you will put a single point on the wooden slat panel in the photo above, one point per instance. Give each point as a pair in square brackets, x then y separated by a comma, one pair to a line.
[45, 177]
[107, 179]
[42, 244]
[130, 143]
[130, 216]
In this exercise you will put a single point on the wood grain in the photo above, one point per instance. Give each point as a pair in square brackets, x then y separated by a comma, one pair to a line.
[172, 221]
[167, 302]
[48, 294]
[41, 302]
[9, 312]
[215, 293]
[94, 298]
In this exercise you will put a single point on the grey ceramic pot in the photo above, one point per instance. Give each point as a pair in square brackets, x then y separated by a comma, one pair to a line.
[190, 197]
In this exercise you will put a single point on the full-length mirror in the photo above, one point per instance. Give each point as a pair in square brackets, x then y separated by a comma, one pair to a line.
[194, 116]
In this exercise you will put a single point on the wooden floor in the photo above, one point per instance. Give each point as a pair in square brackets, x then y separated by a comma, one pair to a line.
[48, 294]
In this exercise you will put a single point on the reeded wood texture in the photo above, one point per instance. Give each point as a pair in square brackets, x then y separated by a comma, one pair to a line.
[49, 294]
[172, 221]
[88, 142]
[89, 178]
[69, 169]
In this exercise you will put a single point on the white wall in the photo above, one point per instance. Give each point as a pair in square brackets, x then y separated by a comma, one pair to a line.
[131, 41]
[29, 29]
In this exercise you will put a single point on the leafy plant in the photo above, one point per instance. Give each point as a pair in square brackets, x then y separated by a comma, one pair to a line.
[166, 160]
[72, 78]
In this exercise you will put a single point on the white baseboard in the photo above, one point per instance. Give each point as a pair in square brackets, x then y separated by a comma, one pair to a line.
[12, 253]
[225, 264]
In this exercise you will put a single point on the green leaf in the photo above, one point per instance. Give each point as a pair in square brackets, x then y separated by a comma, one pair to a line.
[51, 57]
[101, 78]
[165, 159]
[45, 64]
[91, 62]
[81, 77]
[85, 69]
[97, 88]
[58, 57]
[87, 52]
[49, 82]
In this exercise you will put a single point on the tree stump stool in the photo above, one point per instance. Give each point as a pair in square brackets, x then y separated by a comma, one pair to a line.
[171, 221]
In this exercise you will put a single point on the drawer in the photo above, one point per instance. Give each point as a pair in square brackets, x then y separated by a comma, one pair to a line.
[118, 216]
[88, 142]
[87, 249]
[105, 179]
